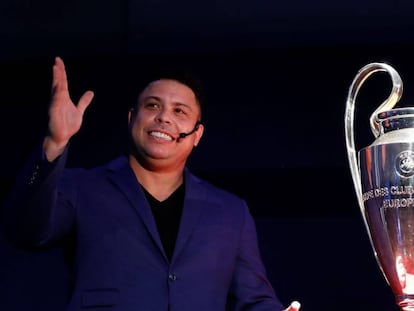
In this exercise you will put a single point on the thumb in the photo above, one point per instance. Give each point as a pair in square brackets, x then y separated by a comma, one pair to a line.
[85, 100]
[294, 306]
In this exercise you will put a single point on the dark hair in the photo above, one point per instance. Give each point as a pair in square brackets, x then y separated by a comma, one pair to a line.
[178, 74]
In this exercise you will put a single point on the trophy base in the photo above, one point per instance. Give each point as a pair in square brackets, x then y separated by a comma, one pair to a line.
[406, 302]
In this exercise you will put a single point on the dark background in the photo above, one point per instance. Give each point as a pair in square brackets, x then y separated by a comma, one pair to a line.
[276, 77]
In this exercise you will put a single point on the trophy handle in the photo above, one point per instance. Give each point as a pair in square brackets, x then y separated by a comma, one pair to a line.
[389, 103]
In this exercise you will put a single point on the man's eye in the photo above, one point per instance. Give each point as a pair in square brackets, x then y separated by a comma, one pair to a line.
[180, 111]
[151, 105]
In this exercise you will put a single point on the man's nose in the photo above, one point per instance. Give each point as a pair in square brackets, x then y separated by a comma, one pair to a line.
[163, 116]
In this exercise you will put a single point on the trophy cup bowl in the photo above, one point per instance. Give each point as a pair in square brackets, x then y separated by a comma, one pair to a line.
[383, 177]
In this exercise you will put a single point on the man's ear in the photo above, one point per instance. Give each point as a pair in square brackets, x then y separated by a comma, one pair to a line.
[131, 116]
[198, 134]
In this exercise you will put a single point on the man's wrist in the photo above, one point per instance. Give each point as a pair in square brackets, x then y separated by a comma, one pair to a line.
[52, 149]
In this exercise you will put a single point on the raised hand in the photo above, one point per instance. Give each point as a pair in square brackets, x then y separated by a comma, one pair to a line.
[65, 118]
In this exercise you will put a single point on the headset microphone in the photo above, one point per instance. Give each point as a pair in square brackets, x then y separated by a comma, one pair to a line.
[183, 135]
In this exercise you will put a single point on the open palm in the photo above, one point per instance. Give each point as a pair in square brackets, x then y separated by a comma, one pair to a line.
[65, 118]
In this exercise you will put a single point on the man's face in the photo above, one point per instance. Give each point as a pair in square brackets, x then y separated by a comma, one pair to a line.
[165, 109]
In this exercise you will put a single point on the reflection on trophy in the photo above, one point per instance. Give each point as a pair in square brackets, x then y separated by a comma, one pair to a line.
[383, 177]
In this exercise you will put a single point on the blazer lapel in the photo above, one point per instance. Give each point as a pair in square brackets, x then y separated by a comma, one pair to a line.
[194, 196]
[124, 179]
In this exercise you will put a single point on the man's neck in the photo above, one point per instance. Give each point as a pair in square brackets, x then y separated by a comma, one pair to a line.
[159, 183]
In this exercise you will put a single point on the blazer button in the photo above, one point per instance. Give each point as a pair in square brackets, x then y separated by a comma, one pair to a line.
[172, 277]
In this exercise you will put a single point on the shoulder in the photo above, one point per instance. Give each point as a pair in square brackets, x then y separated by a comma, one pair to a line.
[211, 191]
[98, 171]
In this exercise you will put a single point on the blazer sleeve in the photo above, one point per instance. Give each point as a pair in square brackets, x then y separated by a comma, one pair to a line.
[250, 288]
[35, 214]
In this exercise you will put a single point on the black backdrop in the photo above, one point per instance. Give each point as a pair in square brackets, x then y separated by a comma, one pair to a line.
[276, 78]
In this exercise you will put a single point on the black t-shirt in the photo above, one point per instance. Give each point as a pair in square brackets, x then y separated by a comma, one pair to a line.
[167, 216]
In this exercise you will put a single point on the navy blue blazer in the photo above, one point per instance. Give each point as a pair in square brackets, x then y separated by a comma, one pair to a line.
[119, 261]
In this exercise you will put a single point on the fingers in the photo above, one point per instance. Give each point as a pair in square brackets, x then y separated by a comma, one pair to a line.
[60, 81]
[60, 90]
[294, 306]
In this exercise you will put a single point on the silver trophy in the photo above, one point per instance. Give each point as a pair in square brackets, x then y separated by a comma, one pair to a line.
[383, 177]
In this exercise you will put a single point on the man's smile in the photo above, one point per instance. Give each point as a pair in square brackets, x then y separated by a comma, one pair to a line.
[161, 135]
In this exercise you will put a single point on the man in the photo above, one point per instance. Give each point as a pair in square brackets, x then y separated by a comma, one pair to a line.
[148, 234]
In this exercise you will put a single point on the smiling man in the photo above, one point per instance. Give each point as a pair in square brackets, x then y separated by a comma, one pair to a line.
[147, 233]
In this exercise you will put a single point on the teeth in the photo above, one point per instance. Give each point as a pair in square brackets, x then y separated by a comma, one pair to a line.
[161, 135]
